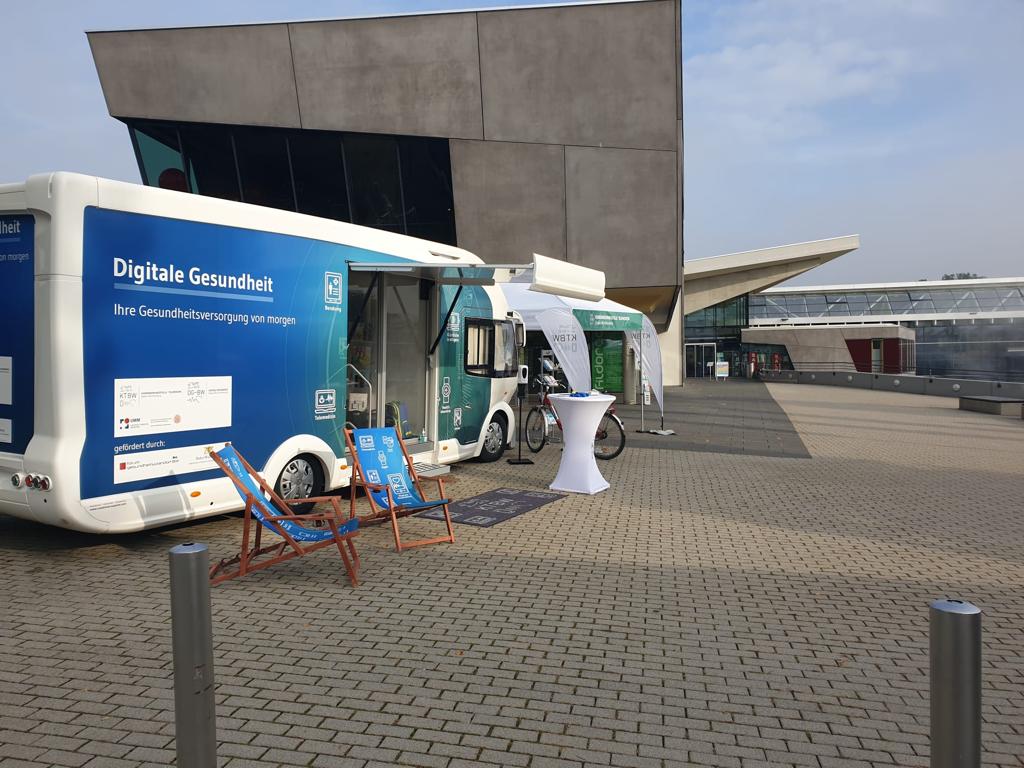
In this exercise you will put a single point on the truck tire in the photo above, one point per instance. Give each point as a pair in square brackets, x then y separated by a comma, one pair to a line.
[494, 439]
[302, 477]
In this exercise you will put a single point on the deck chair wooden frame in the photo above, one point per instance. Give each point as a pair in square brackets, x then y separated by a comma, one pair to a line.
[378, 514]
[253, 558]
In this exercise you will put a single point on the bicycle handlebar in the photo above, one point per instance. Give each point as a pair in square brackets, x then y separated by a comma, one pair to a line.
[545, 387]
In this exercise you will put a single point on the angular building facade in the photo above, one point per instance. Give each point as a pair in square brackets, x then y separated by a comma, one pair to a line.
[550, 129]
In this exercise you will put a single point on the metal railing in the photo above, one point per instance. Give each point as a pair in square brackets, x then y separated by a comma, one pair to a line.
[979, 374]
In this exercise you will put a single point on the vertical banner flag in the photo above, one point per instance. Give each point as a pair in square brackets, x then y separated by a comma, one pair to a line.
[565, 335]
[606, 362]
[648, 351]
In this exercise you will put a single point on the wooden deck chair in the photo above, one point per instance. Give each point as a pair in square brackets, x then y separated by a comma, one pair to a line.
[382, 467]
[272, 512]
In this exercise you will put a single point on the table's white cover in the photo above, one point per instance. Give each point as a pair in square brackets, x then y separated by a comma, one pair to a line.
[580, 417]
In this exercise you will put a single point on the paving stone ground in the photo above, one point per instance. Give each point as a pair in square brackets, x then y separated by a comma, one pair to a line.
[720, 417]
[711, 609]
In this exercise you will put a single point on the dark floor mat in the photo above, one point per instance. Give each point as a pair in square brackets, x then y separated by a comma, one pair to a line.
[494, 507]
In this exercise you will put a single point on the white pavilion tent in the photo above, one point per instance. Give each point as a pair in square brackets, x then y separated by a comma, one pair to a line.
[563, 320]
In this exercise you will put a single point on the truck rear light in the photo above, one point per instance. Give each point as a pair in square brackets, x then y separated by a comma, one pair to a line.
[45, 483]
[16, 480]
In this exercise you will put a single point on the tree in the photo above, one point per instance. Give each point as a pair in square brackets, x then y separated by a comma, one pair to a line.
[962, 276]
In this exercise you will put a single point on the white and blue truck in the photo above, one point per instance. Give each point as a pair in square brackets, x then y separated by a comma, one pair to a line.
[140, 327]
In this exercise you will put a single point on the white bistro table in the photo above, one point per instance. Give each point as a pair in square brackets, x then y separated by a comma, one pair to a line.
[580, 417]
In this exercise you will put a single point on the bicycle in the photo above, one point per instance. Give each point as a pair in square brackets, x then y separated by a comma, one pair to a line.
[542, 421]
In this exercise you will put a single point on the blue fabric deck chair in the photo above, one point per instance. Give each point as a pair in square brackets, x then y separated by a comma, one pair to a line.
[383, 469]
[300, 534]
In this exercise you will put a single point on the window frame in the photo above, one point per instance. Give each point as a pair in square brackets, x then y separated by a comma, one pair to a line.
[487, 369]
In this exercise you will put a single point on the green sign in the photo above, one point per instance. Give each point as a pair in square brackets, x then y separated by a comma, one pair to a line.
[605, 320]
[606, 363]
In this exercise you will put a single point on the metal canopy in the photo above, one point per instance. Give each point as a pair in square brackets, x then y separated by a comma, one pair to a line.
[602, 315]
[448, 274]
[547, 275]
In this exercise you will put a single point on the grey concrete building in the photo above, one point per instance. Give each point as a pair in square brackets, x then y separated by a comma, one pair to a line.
[548, 129]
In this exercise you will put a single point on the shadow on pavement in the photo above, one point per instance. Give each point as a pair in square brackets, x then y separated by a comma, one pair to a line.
[734, 416]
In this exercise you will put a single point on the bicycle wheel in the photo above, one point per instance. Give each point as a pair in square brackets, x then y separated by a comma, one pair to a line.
[536, 429]
[610, 438]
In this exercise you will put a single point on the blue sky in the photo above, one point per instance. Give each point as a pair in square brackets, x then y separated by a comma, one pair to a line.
[900, 120]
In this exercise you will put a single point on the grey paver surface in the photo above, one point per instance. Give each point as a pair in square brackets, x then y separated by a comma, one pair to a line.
[737, 416]
[710, 609]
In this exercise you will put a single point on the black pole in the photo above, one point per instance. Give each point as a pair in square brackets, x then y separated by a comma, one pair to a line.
[447, 317]
[519, 437]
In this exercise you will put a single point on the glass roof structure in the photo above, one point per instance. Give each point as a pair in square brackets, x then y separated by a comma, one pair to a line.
[926, 300]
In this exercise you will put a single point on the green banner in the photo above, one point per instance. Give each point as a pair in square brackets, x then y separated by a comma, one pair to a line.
[606, 363]
[605, 320]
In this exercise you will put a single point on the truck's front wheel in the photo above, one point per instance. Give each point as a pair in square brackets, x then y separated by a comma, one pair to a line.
[301, 478]
[494, 440]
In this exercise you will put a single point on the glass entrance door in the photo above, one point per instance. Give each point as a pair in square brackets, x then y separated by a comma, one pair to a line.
[389, 319]
[407, 322]
[700, 360]
[362, 375]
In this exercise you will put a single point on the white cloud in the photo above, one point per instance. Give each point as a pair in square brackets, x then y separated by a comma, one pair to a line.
[897, 120]
[775, 90]
[774, 70]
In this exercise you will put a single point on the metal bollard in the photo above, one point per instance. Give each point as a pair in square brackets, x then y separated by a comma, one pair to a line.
[955, 652]
[195, 721]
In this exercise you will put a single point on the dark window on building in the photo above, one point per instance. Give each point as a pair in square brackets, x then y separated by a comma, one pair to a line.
[402, 184]
[263, 168]
[209, 160]
[427, 189]
[159, 155]
[375, 181]
[319, 175]
[719, 322]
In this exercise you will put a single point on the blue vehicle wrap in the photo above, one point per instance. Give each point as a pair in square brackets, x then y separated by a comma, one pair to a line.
[17, 338]
[247, 328]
